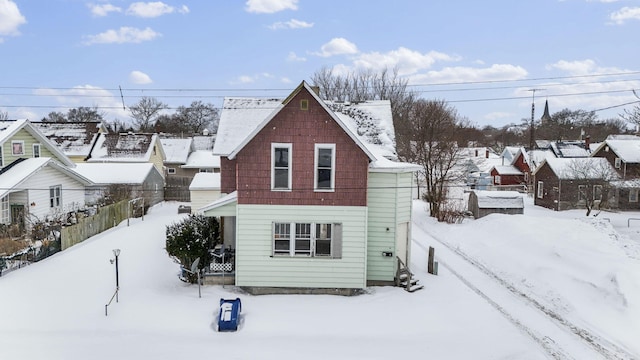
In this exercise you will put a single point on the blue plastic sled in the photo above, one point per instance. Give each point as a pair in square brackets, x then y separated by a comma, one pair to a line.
[229, 315]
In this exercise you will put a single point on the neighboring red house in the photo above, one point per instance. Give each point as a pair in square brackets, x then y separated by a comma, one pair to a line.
[517, 172]
[310, 197]
[623, 153]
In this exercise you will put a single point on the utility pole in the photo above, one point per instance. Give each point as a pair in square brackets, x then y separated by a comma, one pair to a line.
[533, 111]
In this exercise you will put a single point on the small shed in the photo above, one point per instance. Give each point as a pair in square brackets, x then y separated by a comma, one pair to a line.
[483, 203]
[205, 189]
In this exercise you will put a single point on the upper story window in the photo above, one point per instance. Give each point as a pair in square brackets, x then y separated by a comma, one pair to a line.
[36, 150]
[171, 171]
[325, 159]
[281, 166]
[17, 147]
[304, 104]
[617, 163]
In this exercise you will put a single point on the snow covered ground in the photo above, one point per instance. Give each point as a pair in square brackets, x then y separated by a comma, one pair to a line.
[509, 287]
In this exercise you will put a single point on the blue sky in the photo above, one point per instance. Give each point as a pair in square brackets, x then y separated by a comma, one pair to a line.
[481, 56]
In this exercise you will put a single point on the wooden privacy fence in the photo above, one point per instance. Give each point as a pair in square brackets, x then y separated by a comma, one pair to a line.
[106, 218]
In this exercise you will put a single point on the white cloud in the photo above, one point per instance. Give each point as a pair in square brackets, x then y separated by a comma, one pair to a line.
[291, 24]
[624, 14]
[582, 67]
[270, 6]
[461, 74]
[103, 9]
[121, 36]
[337, 46]
[246, 79]
[10, 18]
[294, 58]
[153, 9]
[138, 77]
[285, 80]
[407, 61]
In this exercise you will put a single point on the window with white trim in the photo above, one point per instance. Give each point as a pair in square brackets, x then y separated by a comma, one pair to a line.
[5, 217]
[281, 166]
[526, 177]
[540, 192]
[617, 163]
[496, 180]
[633, 195]
[171, 171]
[1, 157]
[324, 164]
[55, 196]
[307, 239]
[17, 147]
[36, 150]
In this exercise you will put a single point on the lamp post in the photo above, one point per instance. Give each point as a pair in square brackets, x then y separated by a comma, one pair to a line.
[116, 253]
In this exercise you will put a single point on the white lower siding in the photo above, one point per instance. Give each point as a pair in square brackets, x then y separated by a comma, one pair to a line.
[38, 185]
[201, 198]
[256, 267]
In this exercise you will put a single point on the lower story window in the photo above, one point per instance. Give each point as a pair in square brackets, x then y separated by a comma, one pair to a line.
[308, 239]
[5, 219]
[633, 195]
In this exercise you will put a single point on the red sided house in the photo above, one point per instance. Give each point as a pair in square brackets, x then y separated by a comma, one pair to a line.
[517, 172]
[310, 200]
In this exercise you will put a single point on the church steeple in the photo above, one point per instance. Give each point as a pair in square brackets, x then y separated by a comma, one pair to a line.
[545, 116]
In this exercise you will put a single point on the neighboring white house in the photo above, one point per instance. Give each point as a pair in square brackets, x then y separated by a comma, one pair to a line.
[205, 189]
[37, 189]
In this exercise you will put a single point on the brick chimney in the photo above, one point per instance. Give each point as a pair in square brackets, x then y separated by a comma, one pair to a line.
[587, 142]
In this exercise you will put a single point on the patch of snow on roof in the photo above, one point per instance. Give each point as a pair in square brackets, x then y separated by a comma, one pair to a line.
[114, 173]
[627, 150]
[589, 168]
[239, 117]
[204, 142]
[176, 150]
[202, 159]
[205, 181]
[12, 177]
[74, 138]
[499, 199]
[123, 148]
[507, 170]
[372, 122]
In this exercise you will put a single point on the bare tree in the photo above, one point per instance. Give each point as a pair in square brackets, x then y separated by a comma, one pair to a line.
[593, 177]
[199, 116]
[79, 114]
[433, 125]
[145, 112]
[368, 85]
[632, 116]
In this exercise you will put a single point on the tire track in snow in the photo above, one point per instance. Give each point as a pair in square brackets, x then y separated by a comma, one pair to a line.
[604, 347]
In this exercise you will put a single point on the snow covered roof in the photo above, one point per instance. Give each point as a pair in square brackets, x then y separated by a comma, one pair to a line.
[202, 159]
[368, 123]
[115, 173]
[569, 149]
[74, 138]
[510, 152]
[628, 149]
[587, 168]
[204, 142]
[239, 117]
[123, 147]
[9, 128]
[537, 157]
[507, 170]
[176, 151]
[499, 199]
[20, 170]
[227, 199]
[205, 181]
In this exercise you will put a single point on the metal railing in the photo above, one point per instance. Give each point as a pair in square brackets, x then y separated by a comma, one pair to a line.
[115, 295]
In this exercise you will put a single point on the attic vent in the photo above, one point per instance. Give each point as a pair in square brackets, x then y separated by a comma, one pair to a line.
[304, 104]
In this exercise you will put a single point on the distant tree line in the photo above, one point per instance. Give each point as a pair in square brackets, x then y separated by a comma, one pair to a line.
[148, 115]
